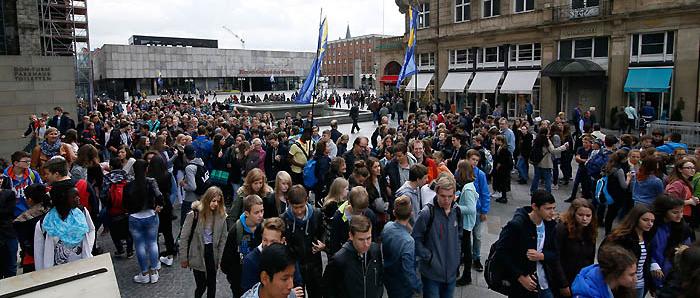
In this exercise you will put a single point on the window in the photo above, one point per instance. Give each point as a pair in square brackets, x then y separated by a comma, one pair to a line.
[524, 5]
[577, 4]
[424, 15]
[461, 58]
[491, 54]
[426, 59]
[657, 46]
[492, 8]
[462, 10]
[526, 53]
[587, 48]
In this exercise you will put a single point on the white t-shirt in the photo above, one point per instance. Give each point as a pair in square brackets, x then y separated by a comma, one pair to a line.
[541, 276]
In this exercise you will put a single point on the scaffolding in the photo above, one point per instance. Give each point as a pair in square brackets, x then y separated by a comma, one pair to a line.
[64, 32]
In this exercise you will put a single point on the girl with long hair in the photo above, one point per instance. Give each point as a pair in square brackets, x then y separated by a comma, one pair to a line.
[157, 169]
[378, 191]
[39, 202]
[276, 204]
[219, 174]
[543, 169]
[127, 158]
[613, 276]
[634, 235]
[555, 135]
[254, 184]
[670, 232]
[684, 282]
[647, 185]
[142, 197]
[323, 164]
[359, 175]
[467, 204]
[619, 179]
[337, 195]
[202, 240]
[679, 186]
[577, 234]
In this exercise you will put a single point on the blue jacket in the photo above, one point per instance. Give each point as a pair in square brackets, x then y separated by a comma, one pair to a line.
[398, 247]
[250, 275]
[440, 248]
[590, 283]
[647, 190]
[669, 147]
[658, 252]
[482, 187]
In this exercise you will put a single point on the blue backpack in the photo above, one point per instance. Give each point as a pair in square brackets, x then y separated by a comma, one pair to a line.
[309, 172]
[595, 165]
[601, 189]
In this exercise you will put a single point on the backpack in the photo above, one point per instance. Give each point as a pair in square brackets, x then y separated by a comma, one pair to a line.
[601, 189]
[536, 155]
[494, 271]
[429, 224]
[310, 178]
[116, 198]
[596, 163]
[488, 165]
[201, 178]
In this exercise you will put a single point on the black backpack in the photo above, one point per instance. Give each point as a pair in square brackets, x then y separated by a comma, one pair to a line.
[536, 155]
[495, 272]
[201, 178]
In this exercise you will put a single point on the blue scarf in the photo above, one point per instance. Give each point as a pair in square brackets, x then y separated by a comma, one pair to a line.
[71, 230]
[50, 150]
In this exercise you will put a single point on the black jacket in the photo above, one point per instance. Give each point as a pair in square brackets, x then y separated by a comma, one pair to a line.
[340, 226]
[519, 235]
[350, 275]
[574, 254]
[393, 175]
[302, 233]
[460, 154]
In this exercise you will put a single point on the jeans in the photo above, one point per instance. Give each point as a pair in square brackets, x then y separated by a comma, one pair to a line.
[545, 293]
[584, 180]
[555, 170]
[476, 239]
[119, 230]
[544, 174]
[8, 257]
[145, 234]
[523, 168]
[641, 292]
[435, 289]
[206, 280]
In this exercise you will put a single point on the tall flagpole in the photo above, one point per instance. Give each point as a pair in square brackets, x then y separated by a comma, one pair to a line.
[317, 70]
[415, 78]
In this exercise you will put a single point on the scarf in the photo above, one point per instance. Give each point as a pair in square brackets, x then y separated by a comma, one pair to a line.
[50, 150]
[71, 231]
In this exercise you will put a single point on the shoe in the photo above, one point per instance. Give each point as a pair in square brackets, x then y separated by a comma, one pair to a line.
[129, 254]
[565, 182]
[477, 266]
[465, 280]
[142, 279]
[154, 277]
[521, 182]
[555, 187]
[119, 254]
[168, 261]
[502, 200]
[569, 200]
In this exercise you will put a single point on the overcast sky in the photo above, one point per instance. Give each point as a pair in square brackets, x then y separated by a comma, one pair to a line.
[263, 24]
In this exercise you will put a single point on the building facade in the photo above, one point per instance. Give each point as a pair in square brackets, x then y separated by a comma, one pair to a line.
[350, 62]
[124, 70]
[598, 55]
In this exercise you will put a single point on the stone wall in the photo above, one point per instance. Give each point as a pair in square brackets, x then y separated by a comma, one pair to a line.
[19, 99]
[28, 27]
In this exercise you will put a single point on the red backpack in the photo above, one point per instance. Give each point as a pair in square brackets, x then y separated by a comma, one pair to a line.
[116, 197]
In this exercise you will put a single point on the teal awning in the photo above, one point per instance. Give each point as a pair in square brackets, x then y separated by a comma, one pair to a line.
[652, 79]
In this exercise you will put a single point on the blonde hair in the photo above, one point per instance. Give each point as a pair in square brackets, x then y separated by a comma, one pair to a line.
[336, 190]
[282, 177]
[204, 201]
[445, 181]
[255, 175]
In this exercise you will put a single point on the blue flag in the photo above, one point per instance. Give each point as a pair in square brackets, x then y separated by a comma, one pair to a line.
[409, 62]
[307, 90]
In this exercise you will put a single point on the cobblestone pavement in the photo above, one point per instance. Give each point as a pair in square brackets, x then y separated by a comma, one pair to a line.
[177, 282]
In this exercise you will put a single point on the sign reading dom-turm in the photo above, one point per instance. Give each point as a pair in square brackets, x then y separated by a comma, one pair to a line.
[32, 73]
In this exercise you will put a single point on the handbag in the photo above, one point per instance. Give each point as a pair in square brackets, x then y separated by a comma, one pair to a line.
[219, 177]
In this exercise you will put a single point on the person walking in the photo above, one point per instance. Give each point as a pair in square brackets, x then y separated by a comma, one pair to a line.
[354, 115]
[202, 240]
[542, 149]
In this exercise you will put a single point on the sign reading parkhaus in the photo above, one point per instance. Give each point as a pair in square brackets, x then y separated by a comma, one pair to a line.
[32, 73]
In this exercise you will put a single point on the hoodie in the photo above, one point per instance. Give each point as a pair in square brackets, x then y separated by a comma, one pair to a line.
[190, 173]
[417, 201]
[590, 282]
[301, 233]
[240, 241]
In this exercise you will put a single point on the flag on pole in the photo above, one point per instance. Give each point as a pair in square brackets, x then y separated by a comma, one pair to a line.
[307, 90]
[409, 62]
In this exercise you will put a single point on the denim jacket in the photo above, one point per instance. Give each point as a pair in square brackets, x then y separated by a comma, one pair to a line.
[398, 248]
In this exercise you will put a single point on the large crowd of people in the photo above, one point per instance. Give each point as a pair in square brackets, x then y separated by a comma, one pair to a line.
[400, 212]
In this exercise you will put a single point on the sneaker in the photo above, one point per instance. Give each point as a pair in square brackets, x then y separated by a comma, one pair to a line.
[119, 254]
[555, 187]
[129, 254]
[465, 280]
[477, 265]
[168, 261]
[502, 200]
[154, 277]
[142, 279]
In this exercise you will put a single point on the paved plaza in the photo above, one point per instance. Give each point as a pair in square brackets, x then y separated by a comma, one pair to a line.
[178, 282]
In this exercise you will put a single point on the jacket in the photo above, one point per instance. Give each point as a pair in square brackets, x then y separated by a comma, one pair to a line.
[669, 147]
[590, 283]
[630, 242]
[17, 185]
[417, 201]
[44, 245]
[660, 245]
[467, 204]
[238, 246]
[24, 226]
[350, 275]
[547, 151]
[574, 254]
[482, 187]
[438, 249]
[399, 252]
[302, 233]
[647, 190]
[519, 235]
[250, 275]
[678, 189]
[194, 251]
[340, 225]
[191, 186]
[255, 292]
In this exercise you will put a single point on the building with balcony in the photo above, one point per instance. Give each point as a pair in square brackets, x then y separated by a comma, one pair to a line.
[349, 62]
[558, 54]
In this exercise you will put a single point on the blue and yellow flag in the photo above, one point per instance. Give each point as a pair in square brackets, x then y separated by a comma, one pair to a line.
[409, 62]
[307, 90]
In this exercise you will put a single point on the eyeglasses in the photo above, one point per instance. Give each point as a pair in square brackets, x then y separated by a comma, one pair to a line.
[25, 161]
[690, 168]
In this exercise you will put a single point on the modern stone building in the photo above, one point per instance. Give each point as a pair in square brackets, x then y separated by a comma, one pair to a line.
[31, 81]
[598, 54]
[349, 62]
[121, 70]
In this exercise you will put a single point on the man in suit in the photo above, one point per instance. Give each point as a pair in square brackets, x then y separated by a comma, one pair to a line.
[459, 152]
[61, 120]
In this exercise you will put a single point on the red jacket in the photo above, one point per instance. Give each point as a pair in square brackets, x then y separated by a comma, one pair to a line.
[681, 190]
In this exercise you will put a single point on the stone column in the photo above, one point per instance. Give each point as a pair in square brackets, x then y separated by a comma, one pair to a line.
[685, 74]
[357, 74]
[29, 27]
[617, 73]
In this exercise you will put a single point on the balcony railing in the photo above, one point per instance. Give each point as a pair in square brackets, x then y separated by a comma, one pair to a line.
[581, 10]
